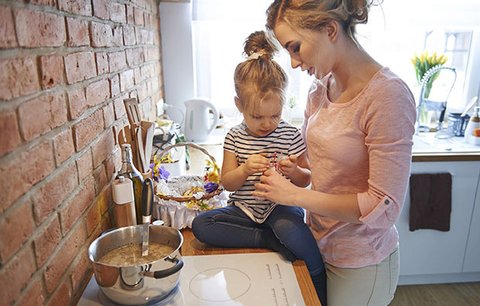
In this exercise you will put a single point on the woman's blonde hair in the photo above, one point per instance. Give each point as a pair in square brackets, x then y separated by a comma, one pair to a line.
[314, 14]
[259, 75]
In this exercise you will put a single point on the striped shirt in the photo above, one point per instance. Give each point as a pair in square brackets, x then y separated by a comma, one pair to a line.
[283, 141]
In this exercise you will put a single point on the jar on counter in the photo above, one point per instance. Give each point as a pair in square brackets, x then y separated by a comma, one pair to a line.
[457, 124]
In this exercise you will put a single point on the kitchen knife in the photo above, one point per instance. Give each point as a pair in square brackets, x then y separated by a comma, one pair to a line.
[147, 201]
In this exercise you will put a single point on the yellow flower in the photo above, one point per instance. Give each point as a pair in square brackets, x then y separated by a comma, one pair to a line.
[423, 62]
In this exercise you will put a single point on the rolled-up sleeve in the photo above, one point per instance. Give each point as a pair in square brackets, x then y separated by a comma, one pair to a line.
[389, 128]
[384, 213]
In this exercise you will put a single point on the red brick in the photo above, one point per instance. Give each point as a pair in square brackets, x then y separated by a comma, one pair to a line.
[51, 194]
[102, 34]
[115, 85]
[102, 63]
[108, 115]
[138, 15]
[34, 123]
[39, 29]
[129, 35]
[7, 28]
[59, 264]
[101, 179]
[82, 272]
[58, 109]
[110, 165]
[46, 240]
[98, 92]
[10, 135]
[52, 70]
[13, 233]
[77, 102]
[77, 205]
[118, 12]
[63, 146]
[117, 61]
[80, 66]
[130, 14]
[33, 294]
[140, 3]
[119, 108]
[103, 148]
[62, 295]
[101, 9]
[50, 112]
[44, 2]
[137, 75]
[151, 53]
[84, 165]
[79, 7]
[147, 71]
[104, 200]
[77, 32]
[16, 274]
[126, 80]
[117, 38]
[26, 169]
[134, 56]
[86, 130]
[148, 19]
[92, 219]
[18, 77]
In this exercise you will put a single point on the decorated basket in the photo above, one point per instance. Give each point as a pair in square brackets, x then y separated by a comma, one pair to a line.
[178, 200]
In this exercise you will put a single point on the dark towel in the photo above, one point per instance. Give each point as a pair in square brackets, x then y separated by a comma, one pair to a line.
[430, 201]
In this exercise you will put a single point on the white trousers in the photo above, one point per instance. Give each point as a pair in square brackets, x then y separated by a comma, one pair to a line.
[368, 286]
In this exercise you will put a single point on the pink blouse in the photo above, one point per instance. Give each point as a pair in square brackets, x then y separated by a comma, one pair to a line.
[363, 146]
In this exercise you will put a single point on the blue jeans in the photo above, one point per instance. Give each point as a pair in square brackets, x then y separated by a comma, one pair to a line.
[283, 231]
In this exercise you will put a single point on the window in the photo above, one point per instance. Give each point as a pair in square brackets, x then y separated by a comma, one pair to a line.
[395, 32]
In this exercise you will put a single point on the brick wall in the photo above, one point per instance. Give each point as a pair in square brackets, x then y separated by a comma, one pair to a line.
[65, 68]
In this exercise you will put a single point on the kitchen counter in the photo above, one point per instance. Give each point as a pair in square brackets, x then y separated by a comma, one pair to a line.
[428, 148]
[192, 246]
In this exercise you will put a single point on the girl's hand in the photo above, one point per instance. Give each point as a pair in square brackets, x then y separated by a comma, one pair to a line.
[276, 188]
[256, 163]
[288, 165]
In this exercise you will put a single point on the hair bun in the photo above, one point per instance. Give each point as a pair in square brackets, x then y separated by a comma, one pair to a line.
[258, 45]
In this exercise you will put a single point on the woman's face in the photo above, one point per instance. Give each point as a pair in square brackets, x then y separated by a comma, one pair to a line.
[263, 118]
[309, 50]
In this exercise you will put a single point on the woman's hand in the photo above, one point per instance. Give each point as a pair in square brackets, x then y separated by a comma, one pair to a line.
[276, 188]
[256, 163]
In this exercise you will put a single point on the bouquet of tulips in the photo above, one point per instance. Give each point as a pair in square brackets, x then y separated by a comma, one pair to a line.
[424, 62]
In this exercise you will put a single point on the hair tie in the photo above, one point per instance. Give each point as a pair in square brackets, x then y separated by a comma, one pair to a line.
[255, 55]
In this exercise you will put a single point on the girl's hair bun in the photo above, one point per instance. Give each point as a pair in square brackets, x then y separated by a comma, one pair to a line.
[259, 44]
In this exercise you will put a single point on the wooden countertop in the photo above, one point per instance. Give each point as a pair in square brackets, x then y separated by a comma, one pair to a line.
[192, 247]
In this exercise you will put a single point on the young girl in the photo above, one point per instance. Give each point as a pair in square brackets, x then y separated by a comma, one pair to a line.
[262, 141]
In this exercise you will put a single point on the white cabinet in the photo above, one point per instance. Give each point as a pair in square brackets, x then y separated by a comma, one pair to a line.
[472, 254]
[430, 256]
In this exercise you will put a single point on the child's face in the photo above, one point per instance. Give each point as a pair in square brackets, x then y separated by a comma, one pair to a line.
[263, 119]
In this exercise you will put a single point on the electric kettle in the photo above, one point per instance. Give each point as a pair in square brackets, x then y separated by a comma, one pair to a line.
[198, 122]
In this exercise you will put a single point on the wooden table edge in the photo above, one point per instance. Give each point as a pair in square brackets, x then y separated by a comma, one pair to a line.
[192, 247]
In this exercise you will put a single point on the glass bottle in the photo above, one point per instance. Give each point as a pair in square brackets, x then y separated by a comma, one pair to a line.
[128, 170]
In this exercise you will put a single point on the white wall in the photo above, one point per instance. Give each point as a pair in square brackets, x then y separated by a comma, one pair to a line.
[177, 56]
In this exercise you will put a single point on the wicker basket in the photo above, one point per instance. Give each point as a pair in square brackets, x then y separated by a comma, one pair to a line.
[174, 209]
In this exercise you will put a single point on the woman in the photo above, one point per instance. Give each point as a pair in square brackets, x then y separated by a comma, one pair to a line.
[358, 128]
